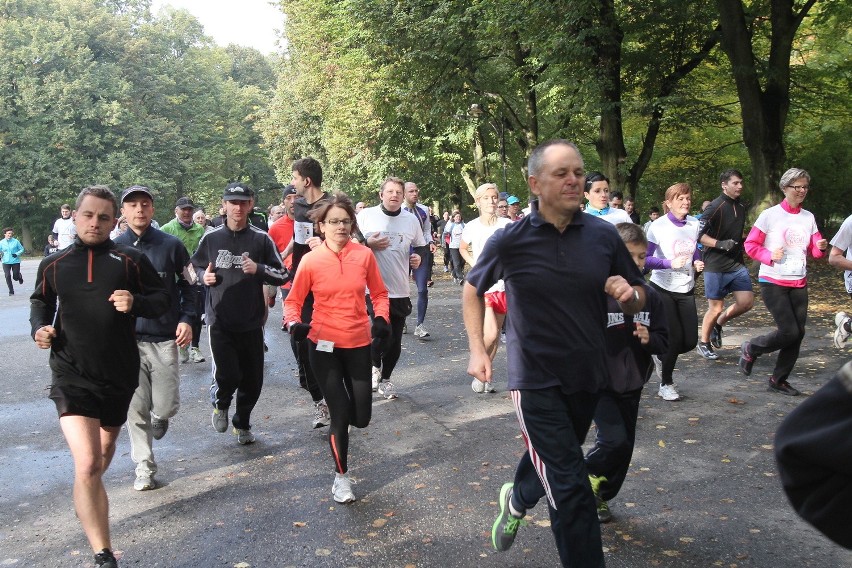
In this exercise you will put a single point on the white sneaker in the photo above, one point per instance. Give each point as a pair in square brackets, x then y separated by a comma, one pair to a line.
[321, 414]
[195, 355]
[388, 390]
[502, 338]
[404, 328]
[342, 488]
[420, 332]
[377, 378]
[244, 437]
[658, 366]
[668, 392]
[183, 354]
[480, 388]
[489, 387]
[840, 334]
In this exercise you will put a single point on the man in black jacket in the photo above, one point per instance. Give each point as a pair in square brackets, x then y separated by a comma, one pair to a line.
[234, 260]
[157, 398]
[100, 288]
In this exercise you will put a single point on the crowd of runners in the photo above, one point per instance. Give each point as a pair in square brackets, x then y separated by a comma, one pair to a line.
[562, 283]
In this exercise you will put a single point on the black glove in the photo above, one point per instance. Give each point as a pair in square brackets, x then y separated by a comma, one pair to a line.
[299, 331]
[380, 328]
[726, 245]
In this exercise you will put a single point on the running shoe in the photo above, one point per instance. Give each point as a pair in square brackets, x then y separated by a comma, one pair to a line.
[840, 334]
[220, 419]
[20, 278]
[489, 387]
[388, 390]
[404, 328]
[159, 426]
[244, 436]
[604, 514]
[342, 488]
[506, 525]
[477, 386]
[783, 387]
[706, 351]
[195, 355]
[183, 354]
[321, 415]
[716, 336]
[105, 559]
[144, 482]
[420, 332]
[746, 359]
[668, 392]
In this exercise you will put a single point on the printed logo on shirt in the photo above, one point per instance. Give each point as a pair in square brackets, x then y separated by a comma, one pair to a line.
[643, 317]
[226, 259]
[614, 320]
[116, 257]
[796, 237]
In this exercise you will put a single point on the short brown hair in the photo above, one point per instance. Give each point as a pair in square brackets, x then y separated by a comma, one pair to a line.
[341, 200]
[101, 192]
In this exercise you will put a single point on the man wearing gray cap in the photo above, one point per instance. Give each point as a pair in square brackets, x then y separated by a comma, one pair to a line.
[189, 233]
[234, 260]
[157, 398]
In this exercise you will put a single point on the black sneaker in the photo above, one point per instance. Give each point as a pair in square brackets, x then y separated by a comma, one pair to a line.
[105, 559]
[706, 351]
[716, 336]
[506, 525]
[746, 359]
[783, 387]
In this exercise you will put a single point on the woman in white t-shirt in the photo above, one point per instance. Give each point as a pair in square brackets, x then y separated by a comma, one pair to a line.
[473, 240]
[780, 240]
[454, 229]
[674, 259]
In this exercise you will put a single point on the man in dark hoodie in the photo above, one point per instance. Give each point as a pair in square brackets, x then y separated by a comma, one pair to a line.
[157, 398]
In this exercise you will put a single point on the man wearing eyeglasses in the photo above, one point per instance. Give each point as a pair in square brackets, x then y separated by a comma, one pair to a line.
[503, 208]
[390, 231]
[721, 232]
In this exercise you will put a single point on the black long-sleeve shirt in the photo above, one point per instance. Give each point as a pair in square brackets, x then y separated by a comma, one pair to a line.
[95, 346]
[723, 219]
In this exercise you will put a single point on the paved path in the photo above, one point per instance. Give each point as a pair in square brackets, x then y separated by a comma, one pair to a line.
[702, 490]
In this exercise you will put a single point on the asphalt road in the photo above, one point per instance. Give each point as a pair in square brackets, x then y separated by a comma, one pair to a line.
[702, 490]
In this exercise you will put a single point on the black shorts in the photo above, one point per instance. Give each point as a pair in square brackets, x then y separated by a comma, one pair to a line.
[111, 410]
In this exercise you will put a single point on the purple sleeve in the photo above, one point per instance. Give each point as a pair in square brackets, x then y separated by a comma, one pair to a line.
[655, 263]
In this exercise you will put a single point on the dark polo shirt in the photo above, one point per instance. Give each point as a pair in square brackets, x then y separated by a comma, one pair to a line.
[556, 301]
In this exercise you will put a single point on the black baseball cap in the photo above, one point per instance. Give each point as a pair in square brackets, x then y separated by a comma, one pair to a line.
[289, 189]
[237, 191]
[133, 189]
[185, 203]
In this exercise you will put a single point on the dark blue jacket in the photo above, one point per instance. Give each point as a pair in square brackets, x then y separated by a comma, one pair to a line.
[170, 259]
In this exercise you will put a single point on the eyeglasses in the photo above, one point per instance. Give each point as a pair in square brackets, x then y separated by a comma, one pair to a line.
[502, 207]
[336, 222]
[799, 187]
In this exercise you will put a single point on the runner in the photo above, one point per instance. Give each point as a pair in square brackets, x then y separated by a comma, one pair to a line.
[421, 273]
[841, 257]
[596, 191]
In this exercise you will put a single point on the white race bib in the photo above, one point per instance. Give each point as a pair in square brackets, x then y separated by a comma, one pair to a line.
[302, 231]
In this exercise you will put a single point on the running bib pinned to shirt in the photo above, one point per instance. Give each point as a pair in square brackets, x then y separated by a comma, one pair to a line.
[302, 231]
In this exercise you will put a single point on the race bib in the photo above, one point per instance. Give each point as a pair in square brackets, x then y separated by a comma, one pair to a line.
[302, 231]
[791, 265]
[396, 240]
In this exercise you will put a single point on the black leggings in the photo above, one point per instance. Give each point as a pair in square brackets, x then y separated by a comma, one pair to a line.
[344, 378]
[458, 263]
[682, 317]
[789, 309]
[12, 272]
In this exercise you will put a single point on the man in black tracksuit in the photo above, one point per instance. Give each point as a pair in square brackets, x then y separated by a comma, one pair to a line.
[100, 288]
[234, 260]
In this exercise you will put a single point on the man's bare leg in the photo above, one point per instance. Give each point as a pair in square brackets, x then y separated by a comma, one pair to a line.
[92, 448]
[717, 313]
[714, 309]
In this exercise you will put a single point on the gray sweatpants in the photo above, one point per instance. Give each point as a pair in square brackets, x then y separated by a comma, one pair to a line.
[158, 392]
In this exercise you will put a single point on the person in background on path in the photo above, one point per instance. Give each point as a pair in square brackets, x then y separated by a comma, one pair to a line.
[200, 218]
[616, 200]
[421, 273]
[306, 178]
[339, 337]
[234, 260]
[781, 239]
[840, 257]
[630, 344]
[391, 232]
[83, 309]
[51, 246]
[11, 250]
[275, 213]
[630, 209]
[596, 191]
[721, 231]
[674, 260]
[475, 235]
[63, 228]
[157, 398]
[653, 215]
[281, 233]
[502, 208]
[444, 239]
[559, 265]
[515, 213]
[184, 227]
[454, 230]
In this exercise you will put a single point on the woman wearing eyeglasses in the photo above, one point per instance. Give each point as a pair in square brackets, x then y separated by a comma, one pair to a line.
[780, 240]
[339, 335]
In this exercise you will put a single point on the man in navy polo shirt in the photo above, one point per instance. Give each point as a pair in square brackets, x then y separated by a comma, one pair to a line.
[558, 265]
